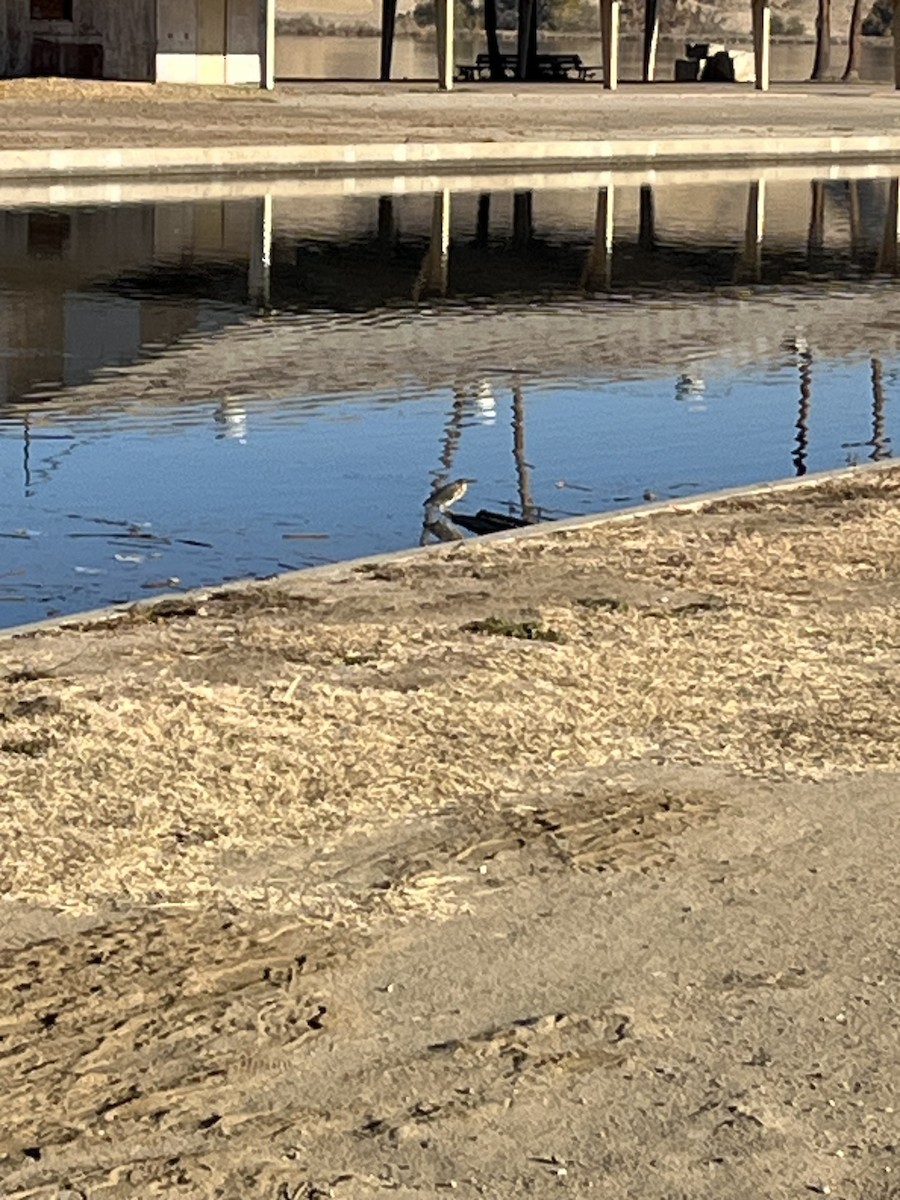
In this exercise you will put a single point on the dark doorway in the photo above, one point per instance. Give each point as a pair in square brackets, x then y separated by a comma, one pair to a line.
[51, 10]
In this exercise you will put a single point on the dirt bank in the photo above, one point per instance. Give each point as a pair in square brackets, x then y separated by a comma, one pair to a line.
[556, 864]
[56, 113]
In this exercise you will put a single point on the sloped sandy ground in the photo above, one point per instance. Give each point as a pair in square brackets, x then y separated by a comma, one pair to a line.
[36, 113]
[562, 864]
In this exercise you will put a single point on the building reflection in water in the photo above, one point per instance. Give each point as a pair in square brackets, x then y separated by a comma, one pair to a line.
[86, 290]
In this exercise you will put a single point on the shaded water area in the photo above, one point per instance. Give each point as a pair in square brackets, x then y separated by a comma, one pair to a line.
[205, 389]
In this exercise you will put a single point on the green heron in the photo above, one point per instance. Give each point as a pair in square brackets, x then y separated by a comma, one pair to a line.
[447, 494]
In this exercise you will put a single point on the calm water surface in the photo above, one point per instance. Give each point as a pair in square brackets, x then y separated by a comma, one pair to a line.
[205, 390]
[414, 58]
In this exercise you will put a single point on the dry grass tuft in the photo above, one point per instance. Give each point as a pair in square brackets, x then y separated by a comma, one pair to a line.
[758, 634]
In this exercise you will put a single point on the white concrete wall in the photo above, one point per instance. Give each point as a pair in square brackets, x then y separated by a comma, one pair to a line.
[211, 41]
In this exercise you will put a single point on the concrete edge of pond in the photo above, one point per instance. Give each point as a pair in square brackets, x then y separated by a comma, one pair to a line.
[111, 613]
[413, 156]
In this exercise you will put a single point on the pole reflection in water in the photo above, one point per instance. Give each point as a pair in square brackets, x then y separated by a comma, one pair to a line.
[879, 443]
[523, 219]
[139, 321]
[646, 219]
[801, 446]
[888, 258]
[260, 269]
[815, 239]
[483, 220]
[597, 274]
[387, 229]
[433, 276]
[526, 503]
[750, 264]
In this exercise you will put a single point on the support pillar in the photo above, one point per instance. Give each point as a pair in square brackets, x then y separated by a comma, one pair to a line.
[762, 23]
[444, 18]
[432, 278]
[388, 23]
[651, 39]
[896, 62]
[267, 44]
[597, 275]
[526, 39]
[609, 36]
[492, 39]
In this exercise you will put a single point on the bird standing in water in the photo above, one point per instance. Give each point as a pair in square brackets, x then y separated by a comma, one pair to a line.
[447, 494]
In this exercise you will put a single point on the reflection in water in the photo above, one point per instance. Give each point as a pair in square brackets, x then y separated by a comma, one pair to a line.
[801, 446]
[598, 268]
[750, 265]
[357, 336]
[232, 419]
[526, 503]
[879, 443]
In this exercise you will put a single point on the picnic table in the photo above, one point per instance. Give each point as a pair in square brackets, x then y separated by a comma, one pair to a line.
[554, 67]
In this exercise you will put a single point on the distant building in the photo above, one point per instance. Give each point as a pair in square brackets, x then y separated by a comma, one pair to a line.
[174, 41]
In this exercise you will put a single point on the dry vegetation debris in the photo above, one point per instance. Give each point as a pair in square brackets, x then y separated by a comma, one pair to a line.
[760, 633]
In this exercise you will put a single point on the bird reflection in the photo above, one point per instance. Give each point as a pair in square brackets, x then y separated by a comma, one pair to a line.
[435, 523]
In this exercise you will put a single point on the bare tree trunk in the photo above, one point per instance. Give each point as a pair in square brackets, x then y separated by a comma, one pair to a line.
[822, 61]
[851, 71]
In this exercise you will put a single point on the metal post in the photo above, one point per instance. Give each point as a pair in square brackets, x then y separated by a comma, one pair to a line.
[444, 23]
[762, 22]
[609, 34]
[388, 23]
[267, 44]
[651, 39]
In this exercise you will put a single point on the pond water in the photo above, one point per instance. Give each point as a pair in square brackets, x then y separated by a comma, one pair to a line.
[414, 58]
[206, 389]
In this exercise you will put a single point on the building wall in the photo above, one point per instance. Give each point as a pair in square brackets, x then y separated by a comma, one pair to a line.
[209, 41]
[178, 41]
[108, 39]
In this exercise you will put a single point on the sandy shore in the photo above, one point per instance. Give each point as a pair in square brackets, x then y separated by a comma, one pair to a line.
[525, 866]
[57, 113]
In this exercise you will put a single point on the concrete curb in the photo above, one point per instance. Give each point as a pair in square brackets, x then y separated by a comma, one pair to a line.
[403, 157]
[73, 190]
[111, 613]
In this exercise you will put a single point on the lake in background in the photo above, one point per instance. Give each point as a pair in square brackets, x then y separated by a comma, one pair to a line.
[210, 389]
[304, 57]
